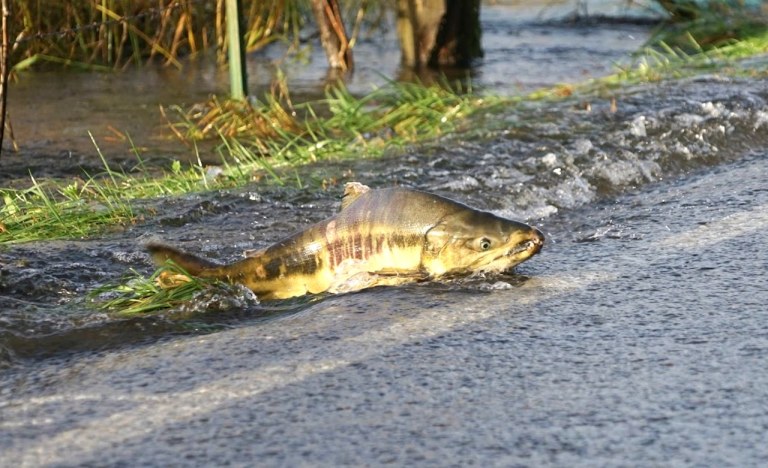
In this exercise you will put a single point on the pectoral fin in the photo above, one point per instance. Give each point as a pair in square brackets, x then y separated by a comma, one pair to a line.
[364, 280]
[408, 275]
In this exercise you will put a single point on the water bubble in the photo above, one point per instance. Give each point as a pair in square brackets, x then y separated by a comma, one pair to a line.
[549, 159]
[689, 120]
[582, 146]
[761, 118]
[462, 184]
[637, 127]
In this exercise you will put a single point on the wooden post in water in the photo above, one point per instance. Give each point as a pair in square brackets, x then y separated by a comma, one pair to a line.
[5, 54]
[238, 77]
[333, 36]
[439, 33]
[458, 41]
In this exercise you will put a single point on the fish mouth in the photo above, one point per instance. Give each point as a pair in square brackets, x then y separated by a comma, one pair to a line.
[528, 246]
[531, 246]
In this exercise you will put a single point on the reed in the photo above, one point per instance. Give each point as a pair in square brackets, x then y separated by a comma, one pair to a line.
[118, 33]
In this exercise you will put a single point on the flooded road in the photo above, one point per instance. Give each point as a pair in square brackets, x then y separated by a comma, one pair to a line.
[638, 335]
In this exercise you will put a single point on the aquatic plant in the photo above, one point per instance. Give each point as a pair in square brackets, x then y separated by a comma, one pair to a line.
[117, 33]
[103, 34]
[396, 113]
[168, 287]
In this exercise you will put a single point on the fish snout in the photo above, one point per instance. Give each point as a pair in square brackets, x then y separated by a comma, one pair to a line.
[537, 240]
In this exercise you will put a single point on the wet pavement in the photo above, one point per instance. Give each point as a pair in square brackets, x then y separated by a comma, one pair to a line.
[637, 336]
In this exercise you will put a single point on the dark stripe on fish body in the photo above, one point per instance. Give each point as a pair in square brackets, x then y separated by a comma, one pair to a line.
[369, 245]
[335, 254]
[317, 264]
[352, 248]
[358, 249]
[273, 268]
[400, 240]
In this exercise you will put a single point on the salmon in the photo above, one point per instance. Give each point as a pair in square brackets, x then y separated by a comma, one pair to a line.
[380, 237]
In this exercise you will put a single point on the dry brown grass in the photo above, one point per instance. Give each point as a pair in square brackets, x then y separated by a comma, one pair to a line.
[117, 33]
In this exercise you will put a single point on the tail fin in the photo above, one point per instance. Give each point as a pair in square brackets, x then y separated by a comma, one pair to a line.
[193, 264]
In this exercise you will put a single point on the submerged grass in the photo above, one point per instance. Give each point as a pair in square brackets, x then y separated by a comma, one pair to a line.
[168, 287]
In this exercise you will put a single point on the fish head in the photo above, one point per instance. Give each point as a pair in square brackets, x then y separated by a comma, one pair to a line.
[472, 241]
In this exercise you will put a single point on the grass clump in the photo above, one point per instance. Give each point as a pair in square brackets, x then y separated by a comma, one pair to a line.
[45, 211]
[167, 288]
[697, 26]
[391, 115]
[661, 61]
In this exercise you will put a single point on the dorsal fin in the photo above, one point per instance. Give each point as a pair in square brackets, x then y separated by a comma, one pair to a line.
[352, 190]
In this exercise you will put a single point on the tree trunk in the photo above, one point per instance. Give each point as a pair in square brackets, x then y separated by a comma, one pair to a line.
[439, 32]
[5, 53]
[333, 36]
[458, 40]
[417, 24]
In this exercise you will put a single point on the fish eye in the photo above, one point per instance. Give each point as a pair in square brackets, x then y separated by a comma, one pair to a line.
[485, 243]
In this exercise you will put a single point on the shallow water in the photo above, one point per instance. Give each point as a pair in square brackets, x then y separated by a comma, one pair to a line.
[637, 334]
